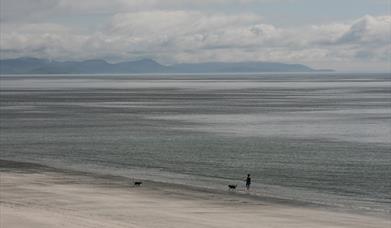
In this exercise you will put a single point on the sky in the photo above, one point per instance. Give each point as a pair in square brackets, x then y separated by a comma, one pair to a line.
[346, 35]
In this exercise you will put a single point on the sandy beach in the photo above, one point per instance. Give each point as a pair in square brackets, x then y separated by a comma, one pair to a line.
[39, 197]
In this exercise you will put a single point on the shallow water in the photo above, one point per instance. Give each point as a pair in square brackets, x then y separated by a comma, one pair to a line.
[321, 138]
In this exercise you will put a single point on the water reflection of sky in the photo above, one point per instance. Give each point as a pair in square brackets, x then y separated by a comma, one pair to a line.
[326, 125]
[347, 108]
[56, 83]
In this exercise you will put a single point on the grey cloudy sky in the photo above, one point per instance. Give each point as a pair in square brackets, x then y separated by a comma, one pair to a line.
[347, 35]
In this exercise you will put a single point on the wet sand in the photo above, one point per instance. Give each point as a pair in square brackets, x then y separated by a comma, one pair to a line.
[38, 197]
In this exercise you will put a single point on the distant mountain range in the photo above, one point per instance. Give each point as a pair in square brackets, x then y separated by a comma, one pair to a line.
[96, 66]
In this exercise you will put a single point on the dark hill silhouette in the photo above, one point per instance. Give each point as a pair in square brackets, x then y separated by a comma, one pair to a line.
[96, 66]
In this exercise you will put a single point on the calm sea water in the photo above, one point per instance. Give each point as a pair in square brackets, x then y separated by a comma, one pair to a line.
[322, 138]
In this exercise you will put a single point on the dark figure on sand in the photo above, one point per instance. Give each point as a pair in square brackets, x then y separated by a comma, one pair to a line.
[248, 182]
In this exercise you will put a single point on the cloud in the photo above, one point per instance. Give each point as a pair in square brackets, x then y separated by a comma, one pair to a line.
[367, 38]
[368, 30]
[172, 36]
[17, 10]
[27, 10]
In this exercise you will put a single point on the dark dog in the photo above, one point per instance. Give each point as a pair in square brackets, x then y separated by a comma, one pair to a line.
[138, 183]
[232, 186]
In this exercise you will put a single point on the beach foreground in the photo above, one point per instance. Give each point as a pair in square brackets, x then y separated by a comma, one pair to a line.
[43, 197]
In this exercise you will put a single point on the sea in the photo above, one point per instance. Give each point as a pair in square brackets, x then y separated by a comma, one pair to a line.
[318, 138]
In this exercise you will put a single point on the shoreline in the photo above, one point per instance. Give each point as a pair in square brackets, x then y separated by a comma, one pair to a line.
[127, 181]
[63, 196]
[122, 181]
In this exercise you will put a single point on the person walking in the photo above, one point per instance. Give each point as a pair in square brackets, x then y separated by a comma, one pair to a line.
[248, 182]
